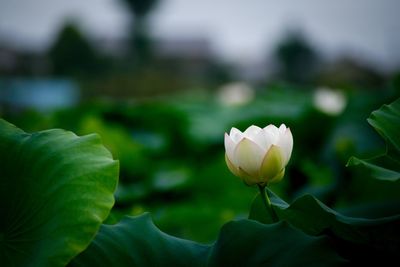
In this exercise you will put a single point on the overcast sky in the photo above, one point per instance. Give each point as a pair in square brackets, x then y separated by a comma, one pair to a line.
[238, 29]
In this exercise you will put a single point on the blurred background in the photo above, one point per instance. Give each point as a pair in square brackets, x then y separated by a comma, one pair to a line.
[162, 80]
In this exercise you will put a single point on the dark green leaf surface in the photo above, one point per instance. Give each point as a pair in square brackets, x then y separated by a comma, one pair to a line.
[249, 243]
[258, 210]
[55, 190]
[135, 241]
[386, 122]
[382, 167]
[314, 218]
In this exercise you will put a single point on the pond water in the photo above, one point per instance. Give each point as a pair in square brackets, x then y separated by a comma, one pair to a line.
[40, 94]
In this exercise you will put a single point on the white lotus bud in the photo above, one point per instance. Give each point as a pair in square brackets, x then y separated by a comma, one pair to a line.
[235, 94]
[259, 156]
[329, 101]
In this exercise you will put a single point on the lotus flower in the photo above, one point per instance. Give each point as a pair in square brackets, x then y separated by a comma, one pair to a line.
[259, 156]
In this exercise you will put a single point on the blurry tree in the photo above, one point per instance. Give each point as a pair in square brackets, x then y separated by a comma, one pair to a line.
[297, 61]
[140, 41]
[396, 82]
[140, 8]
[72, 53]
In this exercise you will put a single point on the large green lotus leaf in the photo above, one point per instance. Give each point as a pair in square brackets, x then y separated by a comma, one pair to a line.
[386, 122]
[55, 190]
[314, 218]
[249, 243]
[381, 167]
[135, 241]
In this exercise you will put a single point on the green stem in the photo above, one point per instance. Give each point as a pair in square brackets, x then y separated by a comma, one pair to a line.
[267, 203]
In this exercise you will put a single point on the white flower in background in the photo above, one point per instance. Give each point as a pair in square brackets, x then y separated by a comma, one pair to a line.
[259, 156]
[329, 101]
[237, 93]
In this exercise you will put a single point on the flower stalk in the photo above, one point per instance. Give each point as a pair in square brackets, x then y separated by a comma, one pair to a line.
[267, 203]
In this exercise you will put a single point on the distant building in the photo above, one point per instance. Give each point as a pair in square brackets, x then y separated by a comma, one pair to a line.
[8, 59]
[17, 61]
[185, 48]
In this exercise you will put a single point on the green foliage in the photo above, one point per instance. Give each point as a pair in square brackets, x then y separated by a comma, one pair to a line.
[55, 190]
[314, 218]
[136, 241]
[386, 122]
[131, 154]
[241, 243]
[353, 236]
[249, 243]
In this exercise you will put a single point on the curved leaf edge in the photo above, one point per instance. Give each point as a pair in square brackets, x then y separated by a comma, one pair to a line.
[215, 254]
[314, 218]
[386, 114]
[12, 133]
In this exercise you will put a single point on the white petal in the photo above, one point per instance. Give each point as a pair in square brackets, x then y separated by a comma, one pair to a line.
[272, 133]
[235, 170]
[270, 127]
[251, 132]
[262, 140]
[286, 143]
[236, 135]
[249, 180]
[278, 177]
[257, 135]
[282, 128]
[229, 148]
[248, 156]
[272, 164]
